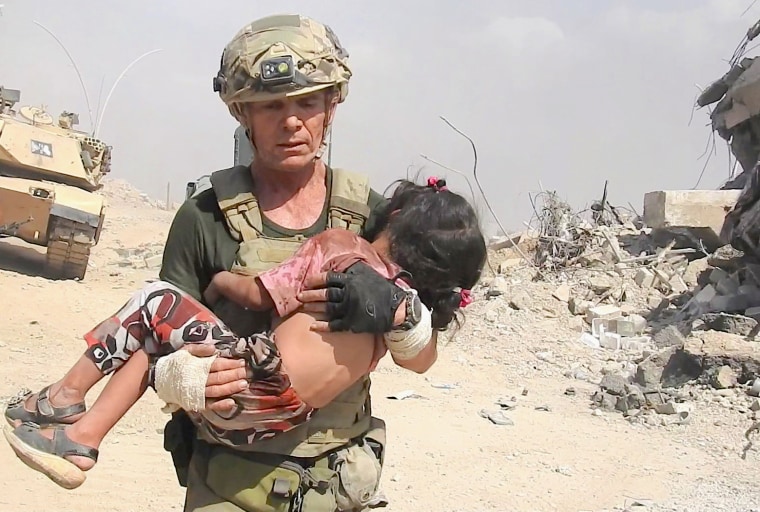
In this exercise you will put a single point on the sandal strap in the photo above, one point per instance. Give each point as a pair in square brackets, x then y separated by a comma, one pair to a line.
[63, 446]
[60, 445]
[48, 411]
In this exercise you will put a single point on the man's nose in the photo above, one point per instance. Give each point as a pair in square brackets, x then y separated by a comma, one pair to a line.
[292, 119]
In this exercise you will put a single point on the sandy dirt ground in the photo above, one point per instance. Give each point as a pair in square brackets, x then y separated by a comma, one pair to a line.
[442, 455]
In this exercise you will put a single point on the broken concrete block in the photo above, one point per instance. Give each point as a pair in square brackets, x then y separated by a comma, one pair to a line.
[622, 326]
[677, 285]
[639, 323]
[578, 306]
[600, 325]
[589, 340]
[154, 261]
[604, 311]
[662, 280]
[601, 284]
[673, 408]
[610, 340]
[627, 326]
[644, 278]
[636, 343]
[700, 213]
[753, 312]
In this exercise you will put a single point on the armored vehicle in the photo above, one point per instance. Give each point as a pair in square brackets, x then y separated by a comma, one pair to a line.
[50, 174]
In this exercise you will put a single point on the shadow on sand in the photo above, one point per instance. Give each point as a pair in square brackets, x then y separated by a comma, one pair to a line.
[17, 256]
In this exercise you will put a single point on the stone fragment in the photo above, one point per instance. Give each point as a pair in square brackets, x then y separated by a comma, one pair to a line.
[716, 349]
[733, 324]
[614, 384]
[498, 287]
[669, 336]
[603, 311]
[562, 293]
[723, 378]
[644, 278]
[578, 306]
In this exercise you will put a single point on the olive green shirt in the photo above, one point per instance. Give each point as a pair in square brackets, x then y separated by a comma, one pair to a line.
[199, 245]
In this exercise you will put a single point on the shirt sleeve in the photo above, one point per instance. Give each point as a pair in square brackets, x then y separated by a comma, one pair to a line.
[182, 263]
[285, 281]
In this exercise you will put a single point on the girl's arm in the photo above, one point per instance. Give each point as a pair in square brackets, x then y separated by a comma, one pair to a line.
[241, 289]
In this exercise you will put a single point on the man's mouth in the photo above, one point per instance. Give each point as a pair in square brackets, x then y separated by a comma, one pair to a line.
[292, 144]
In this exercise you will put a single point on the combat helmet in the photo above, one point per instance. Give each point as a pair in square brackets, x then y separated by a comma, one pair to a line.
[280, 56]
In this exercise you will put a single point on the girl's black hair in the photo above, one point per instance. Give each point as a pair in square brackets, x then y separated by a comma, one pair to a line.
[435, 236]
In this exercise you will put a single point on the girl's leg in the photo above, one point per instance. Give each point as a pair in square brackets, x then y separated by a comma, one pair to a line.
[64, 453]
[120, 393]
[60, 402]
[158, 318]
[156, 321]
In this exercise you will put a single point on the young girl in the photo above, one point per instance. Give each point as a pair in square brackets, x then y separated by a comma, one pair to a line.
[426, 233]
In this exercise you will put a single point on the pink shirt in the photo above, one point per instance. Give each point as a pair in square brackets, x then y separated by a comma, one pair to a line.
[334, 249]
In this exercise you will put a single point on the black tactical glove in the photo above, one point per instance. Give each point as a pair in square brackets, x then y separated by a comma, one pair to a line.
[361, 300]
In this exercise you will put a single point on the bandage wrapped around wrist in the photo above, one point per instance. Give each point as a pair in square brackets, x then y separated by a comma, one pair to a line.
[180, 381]
[405, 345]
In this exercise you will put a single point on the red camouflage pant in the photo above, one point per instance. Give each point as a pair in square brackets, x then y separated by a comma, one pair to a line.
[160, 319]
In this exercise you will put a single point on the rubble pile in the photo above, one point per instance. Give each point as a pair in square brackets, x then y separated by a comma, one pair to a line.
[122, 193]
[674, 309]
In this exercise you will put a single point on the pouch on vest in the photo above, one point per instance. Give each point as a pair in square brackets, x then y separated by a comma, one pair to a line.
[262, 485]
[360, 468]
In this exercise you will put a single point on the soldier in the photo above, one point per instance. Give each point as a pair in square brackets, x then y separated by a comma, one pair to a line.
[282, 77]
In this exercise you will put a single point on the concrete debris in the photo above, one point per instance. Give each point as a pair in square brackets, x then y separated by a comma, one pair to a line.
[144, 256]
[690, 215]
[659, 301]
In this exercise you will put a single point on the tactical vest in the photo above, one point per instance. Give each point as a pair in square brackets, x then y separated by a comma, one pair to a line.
[349, 414]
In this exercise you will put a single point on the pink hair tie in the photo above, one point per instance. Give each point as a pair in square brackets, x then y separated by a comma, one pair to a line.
[466, 298]
[438, 184]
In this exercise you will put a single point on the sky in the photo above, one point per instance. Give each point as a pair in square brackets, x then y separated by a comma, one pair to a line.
[556, 95]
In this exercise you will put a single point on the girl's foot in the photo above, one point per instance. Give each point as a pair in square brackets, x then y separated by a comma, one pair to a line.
[51, 452]
[40, 410]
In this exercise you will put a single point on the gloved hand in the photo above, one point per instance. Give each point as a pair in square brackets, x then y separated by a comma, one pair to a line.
[358, 300]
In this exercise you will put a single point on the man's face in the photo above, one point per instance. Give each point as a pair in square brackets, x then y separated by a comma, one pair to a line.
[288, 132]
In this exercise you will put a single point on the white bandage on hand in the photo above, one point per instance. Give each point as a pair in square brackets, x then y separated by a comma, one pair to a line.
[180, 381]
[405, 345]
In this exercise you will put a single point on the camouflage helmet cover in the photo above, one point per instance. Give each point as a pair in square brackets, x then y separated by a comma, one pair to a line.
[318, 59]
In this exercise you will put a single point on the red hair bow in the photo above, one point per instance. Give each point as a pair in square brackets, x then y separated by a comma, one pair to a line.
[438, 184]
[466, 298]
